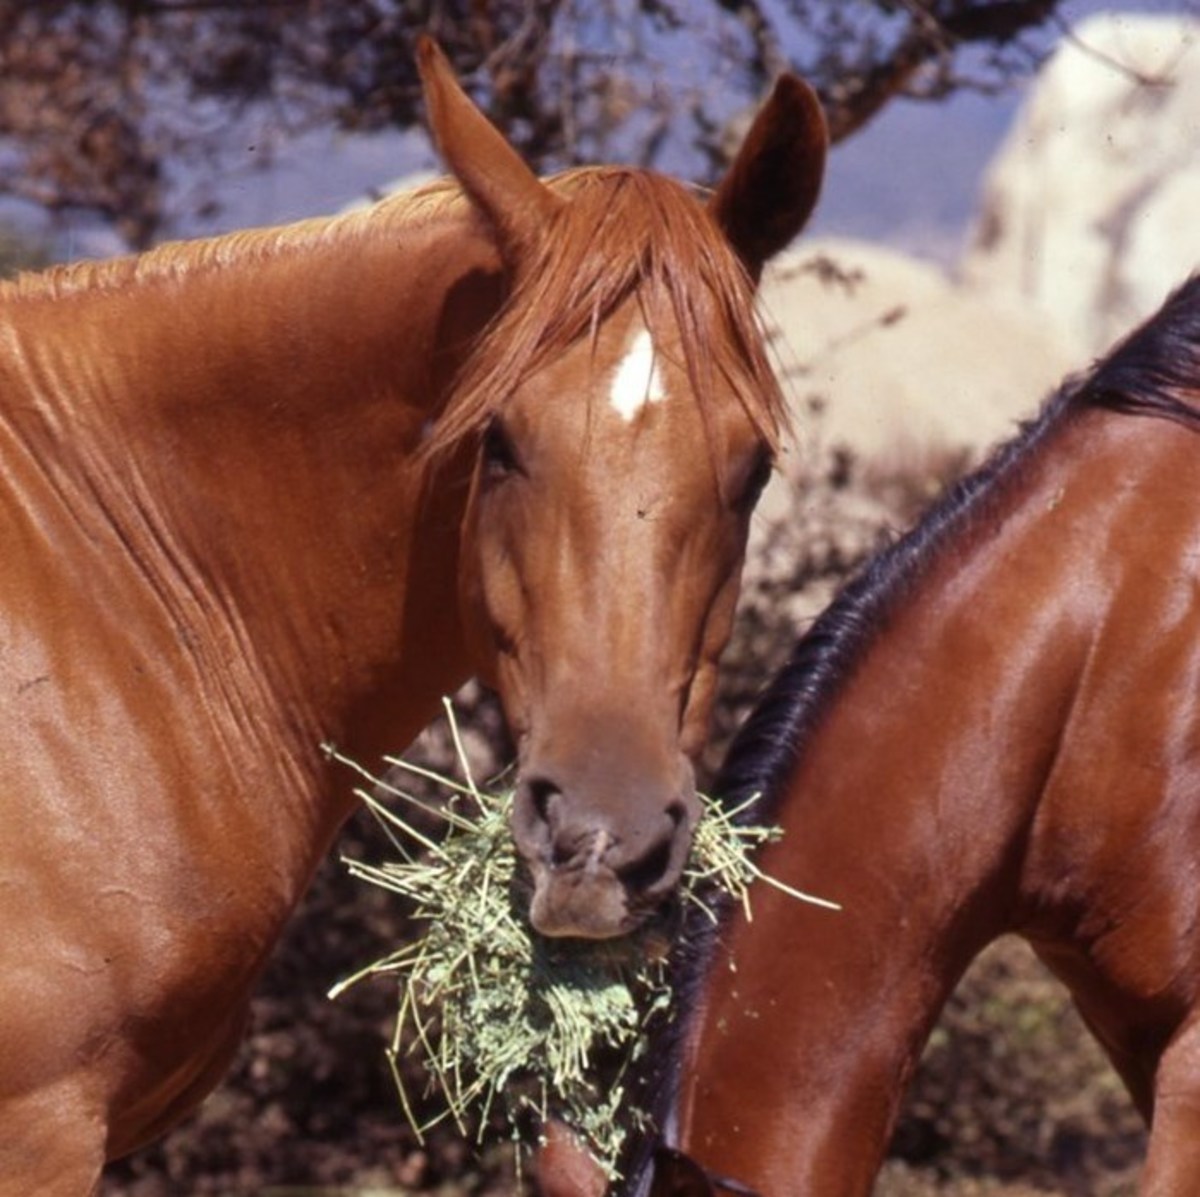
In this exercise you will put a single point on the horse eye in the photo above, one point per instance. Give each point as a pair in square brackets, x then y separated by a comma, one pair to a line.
[498, 453]
[756, 480]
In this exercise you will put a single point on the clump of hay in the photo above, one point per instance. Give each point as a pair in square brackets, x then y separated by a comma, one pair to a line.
[499, 1013]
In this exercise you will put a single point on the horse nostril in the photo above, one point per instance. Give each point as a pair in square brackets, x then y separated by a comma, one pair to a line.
[536, 816]
[644, 874]
[543, 797]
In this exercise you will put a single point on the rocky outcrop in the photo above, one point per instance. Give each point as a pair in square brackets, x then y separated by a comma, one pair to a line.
[1089, 210]
[887, 361]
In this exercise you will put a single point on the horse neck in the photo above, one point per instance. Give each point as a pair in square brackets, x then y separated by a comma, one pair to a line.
[242, 436]
[913, 804]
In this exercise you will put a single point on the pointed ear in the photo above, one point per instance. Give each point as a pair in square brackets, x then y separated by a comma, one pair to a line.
[772, 186]
[512, 198]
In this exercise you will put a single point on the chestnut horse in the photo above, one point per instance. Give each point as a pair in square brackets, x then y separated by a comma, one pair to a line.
[289, 487]
[995, 729]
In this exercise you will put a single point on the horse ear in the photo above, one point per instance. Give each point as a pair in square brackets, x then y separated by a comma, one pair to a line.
[770, 190]
[677, 1175]
[513, 199]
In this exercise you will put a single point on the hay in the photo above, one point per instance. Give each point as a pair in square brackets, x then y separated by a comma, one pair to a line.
[500, 1014]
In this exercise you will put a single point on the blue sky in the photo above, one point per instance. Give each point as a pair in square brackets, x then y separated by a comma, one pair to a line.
[909, 179]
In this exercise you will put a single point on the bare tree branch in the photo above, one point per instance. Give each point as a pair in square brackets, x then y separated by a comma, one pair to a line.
[103, 103]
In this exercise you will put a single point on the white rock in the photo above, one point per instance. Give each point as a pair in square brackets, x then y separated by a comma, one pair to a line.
[899, 367]
[1091, 208]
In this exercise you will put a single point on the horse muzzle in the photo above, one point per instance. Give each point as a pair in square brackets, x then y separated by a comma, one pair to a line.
[600, 868]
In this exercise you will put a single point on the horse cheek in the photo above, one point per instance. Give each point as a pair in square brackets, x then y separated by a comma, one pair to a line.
[472, 601]
[701, 694]
[493, 609]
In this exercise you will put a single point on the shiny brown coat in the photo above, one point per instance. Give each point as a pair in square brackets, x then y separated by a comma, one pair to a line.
[288, 488]
[996, 729]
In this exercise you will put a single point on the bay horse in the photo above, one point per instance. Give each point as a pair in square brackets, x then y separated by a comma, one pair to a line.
[994, 729]
[286, 488]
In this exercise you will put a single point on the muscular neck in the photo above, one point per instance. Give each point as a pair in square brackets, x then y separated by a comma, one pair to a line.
[911, 804]
[234, 442]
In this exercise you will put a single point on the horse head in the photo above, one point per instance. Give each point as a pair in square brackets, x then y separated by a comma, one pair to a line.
[624, 418]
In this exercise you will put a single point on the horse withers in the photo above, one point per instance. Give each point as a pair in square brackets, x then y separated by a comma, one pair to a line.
[995, 729]
[288, 487]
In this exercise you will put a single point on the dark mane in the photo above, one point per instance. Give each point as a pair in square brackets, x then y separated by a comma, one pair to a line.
[766, 745]
[624, 232]
[1155, 371]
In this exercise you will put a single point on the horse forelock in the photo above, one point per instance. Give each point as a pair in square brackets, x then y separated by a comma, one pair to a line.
[624, 233]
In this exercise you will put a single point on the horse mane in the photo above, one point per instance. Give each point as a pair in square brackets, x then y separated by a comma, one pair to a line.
[1155, 372]
[769, 742]
[1156, 369]
[178, 259]
[624, 232]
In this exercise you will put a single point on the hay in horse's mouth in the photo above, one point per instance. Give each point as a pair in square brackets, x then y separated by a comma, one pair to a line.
[496, 1011]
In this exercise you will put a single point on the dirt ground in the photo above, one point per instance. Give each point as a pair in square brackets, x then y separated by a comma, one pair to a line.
[1012, 1099]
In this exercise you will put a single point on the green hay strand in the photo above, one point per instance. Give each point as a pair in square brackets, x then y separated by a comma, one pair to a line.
[498, 1014]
